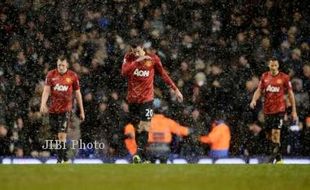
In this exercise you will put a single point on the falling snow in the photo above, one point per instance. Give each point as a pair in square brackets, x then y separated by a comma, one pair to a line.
[214, 51]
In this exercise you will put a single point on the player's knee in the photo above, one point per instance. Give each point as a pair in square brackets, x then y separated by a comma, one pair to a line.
[144, 126]
[62, 136]
[275, 136]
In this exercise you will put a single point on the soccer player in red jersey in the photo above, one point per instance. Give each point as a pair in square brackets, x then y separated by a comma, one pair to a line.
[274, 85]
[60, 84]
[139, 68]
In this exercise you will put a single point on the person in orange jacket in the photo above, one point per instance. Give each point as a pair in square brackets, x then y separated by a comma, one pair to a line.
[130, 140]
[218, 139]
[159, 137]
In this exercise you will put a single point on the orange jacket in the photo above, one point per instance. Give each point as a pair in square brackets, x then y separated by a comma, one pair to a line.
[218, 138]
[162, 128]
[160, 131]
[130, 143]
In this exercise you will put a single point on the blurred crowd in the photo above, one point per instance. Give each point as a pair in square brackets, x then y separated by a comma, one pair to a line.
[214, 50]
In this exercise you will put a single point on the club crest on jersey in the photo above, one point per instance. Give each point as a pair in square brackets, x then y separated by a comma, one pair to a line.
[148, 63]
[271, 88]
[279, 81]
[61, 88]
[141, 73]
[68, 80]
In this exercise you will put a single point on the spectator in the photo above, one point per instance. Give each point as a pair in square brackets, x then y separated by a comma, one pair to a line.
[302, 98]
[4, 141]
[306, 138]
[306, 81]
[256, 142]
[295, 63]
[218, 139]
[89, 128]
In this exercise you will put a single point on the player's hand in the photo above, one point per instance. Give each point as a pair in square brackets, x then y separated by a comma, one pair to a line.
[82, 116]
[294, 116]
[44, 109]
[252, 104]
[143, 58]
[179, 95]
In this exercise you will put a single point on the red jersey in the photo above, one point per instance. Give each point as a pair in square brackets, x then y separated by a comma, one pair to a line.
[141, 77]
[62, 86]
[274, 89]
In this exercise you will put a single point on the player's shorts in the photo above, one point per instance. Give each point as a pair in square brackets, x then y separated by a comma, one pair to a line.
[141, 112]
[274, 121]
[59, 122]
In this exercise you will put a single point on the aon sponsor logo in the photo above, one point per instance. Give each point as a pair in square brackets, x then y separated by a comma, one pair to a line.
[141, 73]
[272, 89]
[61, 88]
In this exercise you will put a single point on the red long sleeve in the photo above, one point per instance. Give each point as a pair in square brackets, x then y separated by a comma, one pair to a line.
[163, 73]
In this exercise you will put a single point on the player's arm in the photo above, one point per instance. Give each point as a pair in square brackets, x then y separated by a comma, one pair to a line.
[163, 73]
[129, 65]
[44, 98]
[258, 92]
[80, 103]
[256, 96]
[291, 98]
[46, 93]
[78, 95]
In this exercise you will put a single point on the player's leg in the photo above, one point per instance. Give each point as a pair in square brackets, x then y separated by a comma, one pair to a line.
[62, 152]
[275, 138]
[62, 135]
[145, 113]
[141, 139]
[274, 123]
[134, 120]
[62, 124]
[142, 133]
[54, 124]
[269, 148]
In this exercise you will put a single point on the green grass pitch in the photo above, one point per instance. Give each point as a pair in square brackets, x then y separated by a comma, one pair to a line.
[159, 177]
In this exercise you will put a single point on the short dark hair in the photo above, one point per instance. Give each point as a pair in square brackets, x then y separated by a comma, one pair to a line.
[273, 59]
[135, 43]
[62, 57]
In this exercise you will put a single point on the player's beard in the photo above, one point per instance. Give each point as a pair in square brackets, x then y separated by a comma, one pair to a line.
[62, 70]
[274, 72]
